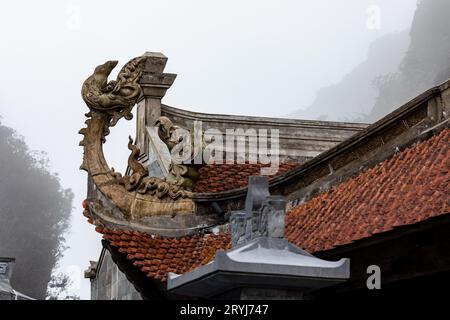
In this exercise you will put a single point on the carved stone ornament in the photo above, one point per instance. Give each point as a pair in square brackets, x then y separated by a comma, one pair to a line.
[136, 194]
[179, 173]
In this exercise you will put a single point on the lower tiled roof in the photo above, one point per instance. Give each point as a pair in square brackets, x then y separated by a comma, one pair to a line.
[156, 256]
[409, 187]
[223, 177]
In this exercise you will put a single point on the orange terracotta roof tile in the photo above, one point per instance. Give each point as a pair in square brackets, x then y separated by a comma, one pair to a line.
[156, 256]
[224, 177]
[409, 187]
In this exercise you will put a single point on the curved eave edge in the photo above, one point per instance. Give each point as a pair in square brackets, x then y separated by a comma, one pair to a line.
[104, 213]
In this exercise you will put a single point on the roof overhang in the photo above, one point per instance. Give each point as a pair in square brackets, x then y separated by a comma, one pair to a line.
[268, 262]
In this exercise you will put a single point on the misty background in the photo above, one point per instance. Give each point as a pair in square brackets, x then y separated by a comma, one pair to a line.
[352, 60]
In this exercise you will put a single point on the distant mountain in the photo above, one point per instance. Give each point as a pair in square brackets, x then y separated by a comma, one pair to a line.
[398, 68]
[426, 62]
[354, 96]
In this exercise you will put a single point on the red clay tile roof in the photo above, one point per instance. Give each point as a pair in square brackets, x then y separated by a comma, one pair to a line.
[224, 177]
[410, 187]
[156, 256]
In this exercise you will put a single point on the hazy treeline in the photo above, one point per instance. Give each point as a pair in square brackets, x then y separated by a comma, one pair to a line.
[34, 214]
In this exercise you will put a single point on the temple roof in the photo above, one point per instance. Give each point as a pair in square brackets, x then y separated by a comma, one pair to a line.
[409, 187]
[157, 256]
[224, 177]
[170, 193]
[394, 173]
[7, 292]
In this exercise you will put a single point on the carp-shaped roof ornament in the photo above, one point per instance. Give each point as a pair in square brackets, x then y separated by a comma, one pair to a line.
[137, 195]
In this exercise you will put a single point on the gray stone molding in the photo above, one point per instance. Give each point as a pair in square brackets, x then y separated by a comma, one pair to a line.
[154, 83]
[299, 139]
[261, 263]
[264, 214]
[261, 258]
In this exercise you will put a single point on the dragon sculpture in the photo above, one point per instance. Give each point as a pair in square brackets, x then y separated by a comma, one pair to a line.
[108, 103]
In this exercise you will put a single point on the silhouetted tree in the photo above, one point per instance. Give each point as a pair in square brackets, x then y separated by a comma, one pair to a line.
[34, 214]
[57, 288]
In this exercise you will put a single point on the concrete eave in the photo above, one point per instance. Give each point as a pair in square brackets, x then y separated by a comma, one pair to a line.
[271, 262]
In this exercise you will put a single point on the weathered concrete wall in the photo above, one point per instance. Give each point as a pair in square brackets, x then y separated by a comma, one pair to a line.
[299, 139]
[110, 283]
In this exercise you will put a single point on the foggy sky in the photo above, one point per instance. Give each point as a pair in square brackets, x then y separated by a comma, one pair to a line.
[265, 58]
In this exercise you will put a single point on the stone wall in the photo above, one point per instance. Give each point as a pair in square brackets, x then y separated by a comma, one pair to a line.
[110, 283]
